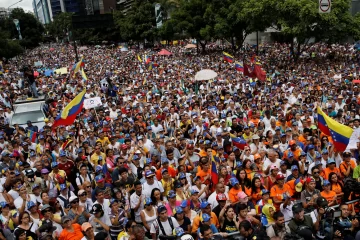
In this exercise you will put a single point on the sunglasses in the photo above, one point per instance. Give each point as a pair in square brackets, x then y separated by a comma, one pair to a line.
[82, 195]
[316, 172]
[47, 210]
[88, 186]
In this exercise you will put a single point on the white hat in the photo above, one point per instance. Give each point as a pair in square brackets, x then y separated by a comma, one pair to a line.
[72, 198]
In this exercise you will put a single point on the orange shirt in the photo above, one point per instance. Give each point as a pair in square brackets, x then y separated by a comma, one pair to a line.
[202, 153]
[75, 235]
[336, 187]
[256, 196]
[302, 139]
[291, 186]
[327, 171]
[296, 153]
[233, 194]
[171, 171]
[196, 223]
[277, 194]
[203, 174]
[343, 167]
[329, 196]
[249, 173]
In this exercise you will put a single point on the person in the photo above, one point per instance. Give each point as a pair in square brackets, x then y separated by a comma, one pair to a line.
[98, 219]
[227, 218]
[309, 195]
[183, 221]
[27, 225]
[248, 232]
[345, 226]
[71, 231]
[148, 215]
[88, 231]
[278, 228]
[301, 224]
[137, 201]
[139, 233]
[206, 232]
[163, 225]
[150, 184]
[117, 218]
[205, 208]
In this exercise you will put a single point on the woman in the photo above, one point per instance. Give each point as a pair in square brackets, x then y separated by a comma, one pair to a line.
[44, 198]
[198, 186]
[117, 218]
[87, 188]
[48, 185]
[83, 176]
[244, 182]
[97, 219]
[128, 225]
[84, 201]
[336, 185]
[223, 173]
[58, 211]
[5, 197]
[148, 215]
[269, 137]
[77, 212]
[231, 163]
[272, 176]
[35, 214]
[228, 220]
[243, 215]
[172, 203]
[179, 190]
[268, 211]
[183, 221]
[183, 180]
[256, 187]
[157, 198]
[110, 160]
[248, 168]
[71, 231]
[27, 225]
[8, 217]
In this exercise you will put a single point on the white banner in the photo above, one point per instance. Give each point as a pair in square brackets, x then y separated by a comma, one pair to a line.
[324, 6]
[92, 102]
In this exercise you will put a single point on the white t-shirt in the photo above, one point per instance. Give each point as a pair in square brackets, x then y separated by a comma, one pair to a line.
[267, 163]
[212, 199]
[157, 128]
[288, 213]
[19, 201]
[146, 188]
[166, 225]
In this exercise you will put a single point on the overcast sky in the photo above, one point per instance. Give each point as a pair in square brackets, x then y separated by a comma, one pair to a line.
[25, 4]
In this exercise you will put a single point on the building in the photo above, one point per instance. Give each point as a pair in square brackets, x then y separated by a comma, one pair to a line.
[42, 11]
[124, 5]
[5, 12]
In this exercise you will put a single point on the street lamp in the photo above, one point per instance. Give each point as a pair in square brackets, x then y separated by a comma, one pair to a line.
[14, 4]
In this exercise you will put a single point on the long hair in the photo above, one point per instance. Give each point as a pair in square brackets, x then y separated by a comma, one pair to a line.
[253, 187]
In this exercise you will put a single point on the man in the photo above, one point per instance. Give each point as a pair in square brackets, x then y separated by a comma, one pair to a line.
[88, 231]
[206, 232]
[151, 183]
[70, 230]
[302, 224]
[23, 199]
[67, 166]
[101, 185]
[139, 232]
[137, 202]
[347, 166]
[345, 226]
[296, 151]
[213, 198]
[31, 127]
[309, 195]
[29, 76]
[248, 232]
[163, 225]
[98, 157]
[46, 211]
[205, 208]
[272, 160]
[64, 196]
[278, 229]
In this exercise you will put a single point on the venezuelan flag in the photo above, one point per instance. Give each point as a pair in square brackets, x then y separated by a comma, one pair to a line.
[214, 173]
[139, 58]
[32, 135]
[68, 115]
[153, 65]
[228, 57]
[78, 65]
[238, 142]
[147, 59]
[83, 75]
[239, 67]
[340, 133]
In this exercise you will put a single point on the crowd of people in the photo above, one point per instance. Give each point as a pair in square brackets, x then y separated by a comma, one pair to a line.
[157, 159]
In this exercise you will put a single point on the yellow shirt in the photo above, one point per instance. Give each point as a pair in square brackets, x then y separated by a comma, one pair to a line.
[168, 185]
[94, 158]
[62, 174]
[104, 142]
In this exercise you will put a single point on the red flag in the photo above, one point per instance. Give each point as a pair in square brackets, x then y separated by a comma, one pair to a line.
[260, 74]
[248, 73]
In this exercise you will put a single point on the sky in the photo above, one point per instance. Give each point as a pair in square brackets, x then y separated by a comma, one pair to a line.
[25, 4]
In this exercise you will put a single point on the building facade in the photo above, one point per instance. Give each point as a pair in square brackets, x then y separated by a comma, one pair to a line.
[42, 11]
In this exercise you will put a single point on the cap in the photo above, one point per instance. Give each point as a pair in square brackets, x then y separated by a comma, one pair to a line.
[298, 184]
[241, 195]
[54, 164]
[44, 207]
[205, 217]
[292, 142]
[204, 204]
[297, 208]
[280, 177]
[317, 163]
[264, 192]
[272, 167]
[73, 198]
[171, 194]
[149, 173]
[184, 203]
[96, 208]
[255, 136]
[310, 179]
[99, 179]
[64, 219]
[63, 186]
[179, 210]
[178, 231]
[326, 182]
[161, 209]
[294, 167]
[85, 226]
[283, 163]
[30, 204]
[4, 204]
[221, 197]
[233, 181]
[182, 176]
[330, 161]
[44, 171]
[310, 146]
[325, 152]
[35, 186]
[80, 192]
[147, 201]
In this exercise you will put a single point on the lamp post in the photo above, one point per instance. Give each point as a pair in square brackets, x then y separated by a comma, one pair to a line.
[14, 4]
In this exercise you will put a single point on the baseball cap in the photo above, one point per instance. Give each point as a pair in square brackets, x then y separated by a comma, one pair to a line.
[310, 179]
[30, 204]
[272, 167]
[85, 226]
[179, 209]
[73, 198]
[204, 204]
[241, 195]
[171, 194]
[294, 167]
[161, 209]
[233, 181]
[184, 203]
[290, 154]
[147, 201]
[44, 171]
[292, 142]
[149, 173]
[221, 197]
[297, 208]
[310, 146]
[298, 185]
[264, 191]
[330, 161]
[96, 208]
[205, 217]
[326, 182]
[63, 186]
[99, 179]
[194, 191]
[178, 231]
[283, 163]
[182, 176]
[64, 219]
[280, 177]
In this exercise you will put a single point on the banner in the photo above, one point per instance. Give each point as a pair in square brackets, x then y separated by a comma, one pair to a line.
[61, 71]
[17, 25]
[158, 15]
[38, 64]
[92, 102]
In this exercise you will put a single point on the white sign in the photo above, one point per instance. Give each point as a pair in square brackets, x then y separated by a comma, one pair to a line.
[324, 6]
[92, 102]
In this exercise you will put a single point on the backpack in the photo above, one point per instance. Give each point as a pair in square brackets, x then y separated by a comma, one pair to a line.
[161, 226]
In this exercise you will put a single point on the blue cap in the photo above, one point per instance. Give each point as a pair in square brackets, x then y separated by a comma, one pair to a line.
[303, 154]
[161, 208]
[235, 148]
[294, 167]
[207, 142]
[325, 152]
[182, 175]
[30, 204]
[171, 194]
[164, 170]
[147, 201]
[41, 137]
[54, 164]
[148, 128]
[164, 160]
[233, 181]
[135, 157]
[35, 186]
[1, 136]
[318, 155]
[190, 131]
[264, 191]
[310, 146]
[4, 204]
[32, 154]
[205, 217]
[283, 163]
[178, 231]
[290, 154]
[283, 135]
[204, 204]
[98, 168]
[149, 173]
[63, 186]
[246, 127]
[5, 153]
[193, 191]
[17, 173]
[330, 161]
[238, 164]
[277, 129]
[317, 163]
[326, 182]
[184, 203]
[288, 130]
[99, 178]
[62, 153]
[179, 210]
[214, 144]
[80, 150]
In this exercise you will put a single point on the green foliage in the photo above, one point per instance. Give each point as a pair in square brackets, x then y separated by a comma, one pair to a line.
[31, 29]
[9, 48]
[60, 25]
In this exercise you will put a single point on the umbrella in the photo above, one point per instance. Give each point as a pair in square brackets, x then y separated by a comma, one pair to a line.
[205, 74]
[83, 48]
[124, 49]
[164, 52]
[52, 49]
[190, 45]
[98, 46]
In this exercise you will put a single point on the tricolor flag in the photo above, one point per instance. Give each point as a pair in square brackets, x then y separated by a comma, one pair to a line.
[32, 135]
[78, 65]
[340, 133]
[139, 58]
[147, 59]
[228, 57]
[83, 75]
[239, 67]
[238, 142]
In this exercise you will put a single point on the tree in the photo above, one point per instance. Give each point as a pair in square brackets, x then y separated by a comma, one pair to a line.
[9, 48]
[60, 25]
[31, 29]
[300, 20]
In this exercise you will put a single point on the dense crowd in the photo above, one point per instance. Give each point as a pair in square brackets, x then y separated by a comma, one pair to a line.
[157, 160]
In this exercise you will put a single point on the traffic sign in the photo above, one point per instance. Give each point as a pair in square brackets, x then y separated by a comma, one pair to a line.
[324, 6]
